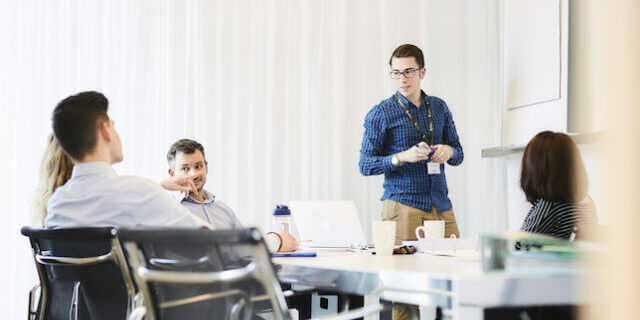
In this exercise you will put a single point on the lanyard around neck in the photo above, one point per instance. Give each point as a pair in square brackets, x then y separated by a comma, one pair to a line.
[415, 122]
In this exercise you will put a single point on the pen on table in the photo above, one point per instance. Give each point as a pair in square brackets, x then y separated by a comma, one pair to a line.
[294, 255]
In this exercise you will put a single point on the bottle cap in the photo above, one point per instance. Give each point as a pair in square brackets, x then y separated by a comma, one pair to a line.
[281, 210]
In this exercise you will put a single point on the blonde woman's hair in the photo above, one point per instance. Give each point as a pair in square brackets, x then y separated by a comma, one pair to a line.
[55, 170]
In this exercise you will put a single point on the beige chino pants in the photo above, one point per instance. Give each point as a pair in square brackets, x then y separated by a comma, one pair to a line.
[407, 220]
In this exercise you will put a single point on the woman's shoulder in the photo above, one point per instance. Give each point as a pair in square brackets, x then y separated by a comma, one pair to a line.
[587, 202]
[587, 209]
[583, 207]
[554, 209]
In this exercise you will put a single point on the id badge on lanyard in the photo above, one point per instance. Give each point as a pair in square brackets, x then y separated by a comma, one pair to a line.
[433, 168]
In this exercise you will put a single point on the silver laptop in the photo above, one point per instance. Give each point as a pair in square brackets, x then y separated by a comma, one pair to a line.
[326, 224]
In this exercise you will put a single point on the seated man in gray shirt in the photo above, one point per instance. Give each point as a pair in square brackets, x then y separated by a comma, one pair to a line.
[186, 158]
[96, 195]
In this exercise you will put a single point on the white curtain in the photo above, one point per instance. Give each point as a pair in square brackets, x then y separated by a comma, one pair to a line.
[275, 90]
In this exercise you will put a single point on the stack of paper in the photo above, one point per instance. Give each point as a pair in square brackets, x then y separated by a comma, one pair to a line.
[446, 246]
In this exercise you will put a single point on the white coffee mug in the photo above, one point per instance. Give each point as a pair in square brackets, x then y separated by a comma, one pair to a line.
[432, 230]
[384, 237]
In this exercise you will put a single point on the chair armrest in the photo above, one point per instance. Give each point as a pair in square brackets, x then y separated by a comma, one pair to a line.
[177, 263]
[68, 261]
[197, 277]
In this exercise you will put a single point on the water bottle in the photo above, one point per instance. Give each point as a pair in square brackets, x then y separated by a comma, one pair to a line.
[281, 219]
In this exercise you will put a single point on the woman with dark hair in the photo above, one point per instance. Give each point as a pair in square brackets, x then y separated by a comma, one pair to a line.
[554, 181]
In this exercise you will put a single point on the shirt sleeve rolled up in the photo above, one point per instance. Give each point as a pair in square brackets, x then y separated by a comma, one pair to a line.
[451, 139]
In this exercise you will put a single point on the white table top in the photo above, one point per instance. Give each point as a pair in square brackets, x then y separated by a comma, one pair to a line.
[455, 280]
[365, 262]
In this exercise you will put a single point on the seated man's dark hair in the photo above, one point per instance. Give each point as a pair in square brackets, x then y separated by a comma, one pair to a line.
[75, 120]
[186, 146]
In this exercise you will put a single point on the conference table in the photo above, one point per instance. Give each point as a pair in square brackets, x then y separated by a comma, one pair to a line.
[456, 284]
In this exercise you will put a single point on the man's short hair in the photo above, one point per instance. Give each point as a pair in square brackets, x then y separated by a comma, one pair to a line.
[408, 50]
[186, 146]
[75, 122]
[552, 169]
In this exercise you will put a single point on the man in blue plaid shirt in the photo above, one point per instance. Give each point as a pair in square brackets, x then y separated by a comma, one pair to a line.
[410, 147]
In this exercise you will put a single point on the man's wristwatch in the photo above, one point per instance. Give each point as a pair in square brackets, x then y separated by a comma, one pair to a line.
[394, 161]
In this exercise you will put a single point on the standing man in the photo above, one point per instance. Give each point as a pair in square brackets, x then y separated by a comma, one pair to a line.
[408, 137]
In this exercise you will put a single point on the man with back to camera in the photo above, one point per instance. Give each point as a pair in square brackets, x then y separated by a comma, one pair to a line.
[400, 133]
[96, 195]
[186, 159]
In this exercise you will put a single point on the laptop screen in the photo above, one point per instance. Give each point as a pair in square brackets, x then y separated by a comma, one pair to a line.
[330, 224]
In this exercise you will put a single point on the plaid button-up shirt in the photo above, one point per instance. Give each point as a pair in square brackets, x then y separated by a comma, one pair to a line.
[388, 130]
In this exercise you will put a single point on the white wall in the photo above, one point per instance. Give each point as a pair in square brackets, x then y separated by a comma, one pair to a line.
[577, 111]
[519, 125]
[276, 91]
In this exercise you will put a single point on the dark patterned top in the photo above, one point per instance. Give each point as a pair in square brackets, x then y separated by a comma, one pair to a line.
[558, 219]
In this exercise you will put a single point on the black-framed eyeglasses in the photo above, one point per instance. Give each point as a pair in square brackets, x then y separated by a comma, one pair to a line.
[408, 73]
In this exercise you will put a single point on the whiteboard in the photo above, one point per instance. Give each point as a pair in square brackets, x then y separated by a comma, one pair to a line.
[532, 52]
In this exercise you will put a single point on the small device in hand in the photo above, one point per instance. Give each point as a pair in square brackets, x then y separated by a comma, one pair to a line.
[431, 151]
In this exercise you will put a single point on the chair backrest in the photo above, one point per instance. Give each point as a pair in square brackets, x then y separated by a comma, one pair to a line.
[199, 273]
[83, 273]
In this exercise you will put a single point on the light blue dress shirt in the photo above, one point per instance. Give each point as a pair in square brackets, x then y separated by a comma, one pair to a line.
[218, 215]
[97, 196]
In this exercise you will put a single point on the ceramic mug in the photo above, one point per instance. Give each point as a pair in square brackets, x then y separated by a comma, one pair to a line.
[433, 229]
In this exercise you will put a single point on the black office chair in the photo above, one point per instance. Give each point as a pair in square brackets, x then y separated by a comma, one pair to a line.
[205, 274]
[198, 274]
[83, 274]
